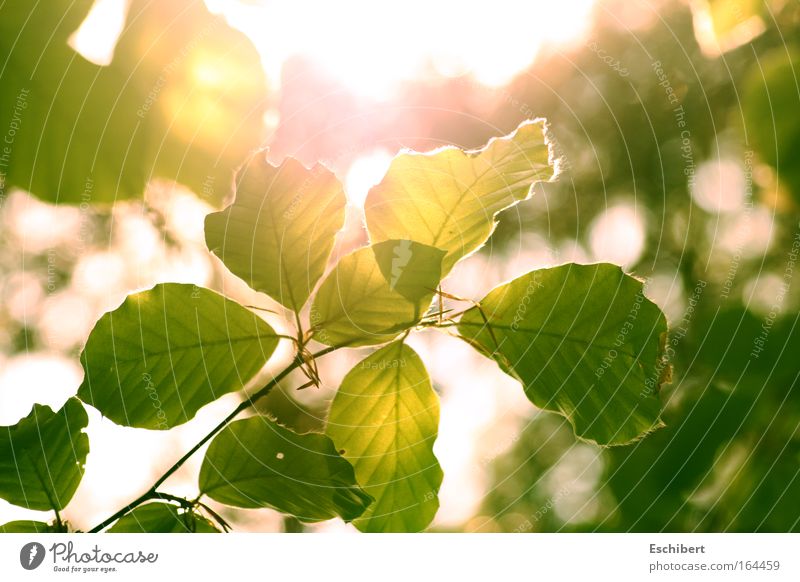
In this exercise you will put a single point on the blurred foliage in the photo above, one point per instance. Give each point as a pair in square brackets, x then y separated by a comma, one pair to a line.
[770, 104]
[729, 457]
[727, 460]
[182, 99]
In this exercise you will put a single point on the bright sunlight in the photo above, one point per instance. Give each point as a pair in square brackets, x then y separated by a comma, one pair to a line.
[492, 42]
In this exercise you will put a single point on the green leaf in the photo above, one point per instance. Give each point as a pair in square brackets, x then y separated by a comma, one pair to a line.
[27, 526]
[448, 198]
[182, 99]
[584, 342]
[279, 233]
[256, 463]
[161, 517]
[384, 420]
[375, 293]
[165, 353]
[42, 456]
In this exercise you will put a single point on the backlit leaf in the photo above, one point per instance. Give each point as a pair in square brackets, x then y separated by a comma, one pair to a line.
[279, 233]
[448, 198]
[384, 419]
[26, 526]
[375, 293]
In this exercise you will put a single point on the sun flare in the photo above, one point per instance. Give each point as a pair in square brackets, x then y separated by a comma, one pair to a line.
[371, 48]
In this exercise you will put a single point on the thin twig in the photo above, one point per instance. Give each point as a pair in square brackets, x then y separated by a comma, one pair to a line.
[217, 517]
[184, 503]
[153, 493]
[59, 521]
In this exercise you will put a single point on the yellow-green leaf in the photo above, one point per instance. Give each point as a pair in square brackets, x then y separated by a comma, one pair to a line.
[448, 198]
[384, 420]
[279, 232]
[375, 293]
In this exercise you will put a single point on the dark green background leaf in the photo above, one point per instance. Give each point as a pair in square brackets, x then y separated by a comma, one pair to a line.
[769, 106]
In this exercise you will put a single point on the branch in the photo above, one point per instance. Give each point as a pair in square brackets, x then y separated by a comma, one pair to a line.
[153, 493]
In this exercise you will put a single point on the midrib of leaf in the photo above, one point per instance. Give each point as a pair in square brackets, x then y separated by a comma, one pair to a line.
[376, 432]
[395, 443]
[491, 165]
[284, 275]
[566, 337]
[48, 493]
[449, 213]
[260, 478]
[187, 347]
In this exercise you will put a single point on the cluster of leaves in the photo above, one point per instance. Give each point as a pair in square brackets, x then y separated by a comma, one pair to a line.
[582, 340]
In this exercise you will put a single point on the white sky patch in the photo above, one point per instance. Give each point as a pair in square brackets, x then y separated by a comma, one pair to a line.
[364, 173]
[97, 36]
[373, 47]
